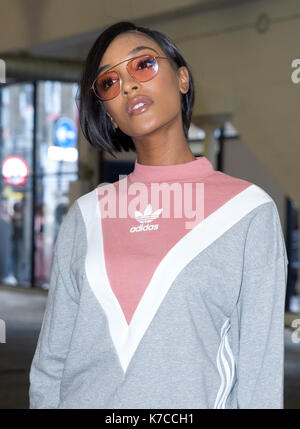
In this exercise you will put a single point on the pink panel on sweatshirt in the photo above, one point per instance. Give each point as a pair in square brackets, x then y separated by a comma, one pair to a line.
[131, 256]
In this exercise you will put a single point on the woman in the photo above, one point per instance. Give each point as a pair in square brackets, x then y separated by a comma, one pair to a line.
[148, 308]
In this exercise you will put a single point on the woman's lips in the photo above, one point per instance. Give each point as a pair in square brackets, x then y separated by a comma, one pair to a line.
[138, 105]
[139, 110]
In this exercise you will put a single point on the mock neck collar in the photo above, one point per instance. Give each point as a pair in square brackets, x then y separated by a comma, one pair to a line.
[199, 168]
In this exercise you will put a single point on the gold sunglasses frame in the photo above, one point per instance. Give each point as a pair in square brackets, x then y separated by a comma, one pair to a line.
[120, 79]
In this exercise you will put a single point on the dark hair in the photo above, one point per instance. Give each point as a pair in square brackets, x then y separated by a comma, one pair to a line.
[95, 124]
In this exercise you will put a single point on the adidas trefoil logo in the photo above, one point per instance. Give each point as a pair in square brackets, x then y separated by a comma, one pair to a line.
[145, 218]
[148, 216]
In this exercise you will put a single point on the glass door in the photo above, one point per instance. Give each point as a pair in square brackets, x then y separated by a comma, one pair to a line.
[56, 167]
[16, 145]
[39, 159]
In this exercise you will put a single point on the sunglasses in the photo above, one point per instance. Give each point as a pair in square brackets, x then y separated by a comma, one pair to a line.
[142, 68]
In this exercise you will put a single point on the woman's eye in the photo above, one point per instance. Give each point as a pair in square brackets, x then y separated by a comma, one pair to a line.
[106, 83]
[143, 64]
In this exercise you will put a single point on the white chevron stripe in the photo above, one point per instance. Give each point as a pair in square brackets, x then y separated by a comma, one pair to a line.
[126, 338]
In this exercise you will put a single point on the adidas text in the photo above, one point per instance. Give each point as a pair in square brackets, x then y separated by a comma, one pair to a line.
[146, 227]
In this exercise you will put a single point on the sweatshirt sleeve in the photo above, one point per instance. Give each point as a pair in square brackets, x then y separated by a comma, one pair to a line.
[57, 325]
[261, 313]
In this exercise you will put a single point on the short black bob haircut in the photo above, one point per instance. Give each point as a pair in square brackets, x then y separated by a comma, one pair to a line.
[95, 124]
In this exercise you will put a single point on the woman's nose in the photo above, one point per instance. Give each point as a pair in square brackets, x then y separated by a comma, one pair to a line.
[127, 91]
[129, 84]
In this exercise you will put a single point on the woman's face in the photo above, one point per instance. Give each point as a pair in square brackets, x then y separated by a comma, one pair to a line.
[164, 89]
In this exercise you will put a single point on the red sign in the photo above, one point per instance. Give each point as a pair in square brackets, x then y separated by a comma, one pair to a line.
[15, 170]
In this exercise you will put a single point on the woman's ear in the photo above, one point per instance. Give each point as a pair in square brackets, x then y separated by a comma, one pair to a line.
[183, 79]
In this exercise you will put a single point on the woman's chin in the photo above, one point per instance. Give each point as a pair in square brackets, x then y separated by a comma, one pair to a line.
[142, 128]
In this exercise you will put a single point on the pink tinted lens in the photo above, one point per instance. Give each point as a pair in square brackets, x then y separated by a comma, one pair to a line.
[107, 85]
[143, 68]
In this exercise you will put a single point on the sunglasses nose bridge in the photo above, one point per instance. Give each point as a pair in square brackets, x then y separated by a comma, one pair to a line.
[128, 80]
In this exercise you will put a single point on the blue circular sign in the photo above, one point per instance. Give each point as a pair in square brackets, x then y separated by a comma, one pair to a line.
[65, 132]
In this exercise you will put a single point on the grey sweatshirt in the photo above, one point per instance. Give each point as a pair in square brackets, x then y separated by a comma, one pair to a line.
[208, 331]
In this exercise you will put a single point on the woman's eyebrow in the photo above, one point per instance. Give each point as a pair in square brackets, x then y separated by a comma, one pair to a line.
[133, 51]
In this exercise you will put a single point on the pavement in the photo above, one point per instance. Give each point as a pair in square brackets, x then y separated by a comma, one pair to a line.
[22, 309]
